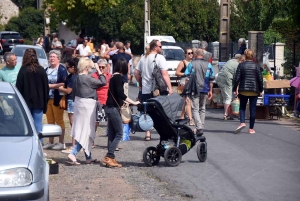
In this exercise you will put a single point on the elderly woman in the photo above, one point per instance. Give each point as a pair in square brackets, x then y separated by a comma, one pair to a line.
[102, 91]
[32, 82]
[248, 83]
[85, 102]
[57, 75]
[225, 80]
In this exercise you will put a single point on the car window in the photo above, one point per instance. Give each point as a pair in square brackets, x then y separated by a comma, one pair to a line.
[11, 36]
[19, 52]
[173, 54]
[13, 121]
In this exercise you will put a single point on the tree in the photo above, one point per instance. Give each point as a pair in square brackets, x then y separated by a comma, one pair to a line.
[75, 11]
[29, 23]
[25, 3]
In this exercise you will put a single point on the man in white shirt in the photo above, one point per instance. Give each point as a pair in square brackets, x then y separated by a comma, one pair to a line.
[128, 50]
[84, 49]
[143, 73]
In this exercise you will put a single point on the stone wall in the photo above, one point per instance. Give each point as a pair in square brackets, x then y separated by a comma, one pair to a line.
[7, 10]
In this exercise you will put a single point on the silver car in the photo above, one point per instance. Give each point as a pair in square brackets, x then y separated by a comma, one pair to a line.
[24, 171]
[19, 50]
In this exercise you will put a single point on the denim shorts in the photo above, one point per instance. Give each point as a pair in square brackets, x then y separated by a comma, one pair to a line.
[70, 107]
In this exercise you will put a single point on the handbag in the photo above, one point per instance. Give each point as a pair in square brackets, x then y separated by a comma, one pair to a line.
[180, 86]
[62, 103]
[125, 111]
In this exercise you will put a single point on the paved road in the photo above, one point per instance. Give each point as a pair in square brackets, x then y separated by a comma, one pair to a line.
[263, 166]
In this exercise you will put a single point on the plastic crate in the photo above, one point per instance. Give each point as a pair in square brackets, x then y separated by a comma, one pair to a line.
[276, 99]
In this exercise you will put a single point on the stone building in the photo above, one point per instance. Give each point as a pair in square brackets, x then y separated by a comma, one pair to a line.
[7, 10]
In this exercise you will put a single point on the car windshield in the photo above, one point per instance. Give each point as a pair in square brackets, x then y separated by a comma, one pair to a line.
[173, 54]
[13, 120]
[19, 52]
[11, 36]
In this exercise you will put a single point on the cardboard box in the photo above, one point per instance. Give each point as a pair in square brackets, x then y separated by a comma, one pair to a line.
[262, 112]
[272, 84]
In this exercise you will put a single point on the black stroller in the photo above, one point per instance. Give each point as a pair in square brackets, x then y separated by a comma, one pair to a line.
[176, 138]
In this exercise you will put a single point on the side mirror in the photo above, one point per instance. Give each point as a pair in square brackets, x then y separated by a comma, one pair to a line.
[50, 130]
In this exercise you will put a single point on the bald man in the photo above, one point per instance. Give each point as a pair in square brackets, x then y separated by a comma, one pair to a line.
[120, 53]
[204, 77]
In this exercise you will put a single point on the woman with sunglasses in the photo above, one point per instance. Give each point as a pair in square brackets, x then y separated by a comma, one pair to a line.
[71, 66]
[186, 108]
[102, 91]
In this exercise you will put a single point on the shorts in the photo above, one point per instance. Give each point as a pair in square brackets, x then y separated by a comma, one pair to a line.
[70, 107]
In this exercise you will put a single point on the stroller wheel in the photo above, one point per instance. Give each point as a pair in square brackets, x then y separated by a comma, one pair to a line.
[173, 156]
[202, 151]
[150, 156]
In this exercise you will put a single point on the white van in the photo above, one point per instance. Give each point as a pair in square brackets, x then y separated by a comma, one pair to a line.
[173, 54]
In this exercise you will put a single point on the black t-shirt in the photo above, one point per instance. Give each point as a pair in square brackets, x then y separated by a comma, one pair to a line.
[117, 56]
[116, 91]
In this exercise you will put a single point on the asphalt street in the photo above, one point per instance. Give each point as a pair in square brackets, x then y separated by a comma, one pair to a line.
[262, 166]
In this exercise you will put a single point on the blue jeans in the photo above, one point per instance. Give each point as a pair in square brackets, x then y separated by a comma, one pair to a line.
[252, 104]
[76, 150]
[114, 130]
[37, 115]
[298, 107]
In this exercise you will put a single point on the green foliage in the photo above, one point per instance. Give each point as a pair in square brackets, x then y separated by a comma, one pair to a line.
[25, 3]
[30, 23]
[270, 35]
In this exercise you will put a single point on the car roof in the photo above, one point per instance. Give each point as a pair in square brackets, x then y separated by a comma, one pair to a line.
[171, 47]
[29, 46]
[6, 87]
[9, 32]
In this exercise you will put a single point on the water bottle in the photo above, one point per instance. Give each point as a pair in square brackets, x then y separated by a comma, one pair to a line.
[137, 84]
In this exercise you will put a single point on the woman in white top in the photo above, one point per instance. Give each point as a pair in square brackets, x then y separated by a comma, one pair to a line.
[40, 42]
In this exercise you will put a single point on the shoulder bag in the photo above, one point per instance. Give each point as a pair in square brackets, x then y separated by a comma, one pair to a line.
[125, 111]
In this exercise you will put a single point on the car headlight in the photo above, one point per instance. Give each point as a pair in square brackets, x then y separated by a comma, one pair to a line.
[15, 177]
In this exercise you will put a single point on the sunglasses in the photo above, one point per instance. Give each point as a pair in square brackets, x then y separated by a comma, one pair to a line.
[102, 67]
[159, 46]
[189, 53]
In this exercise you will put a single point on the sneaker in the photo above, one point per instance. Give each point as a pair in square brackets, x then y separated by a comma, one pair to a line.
[59, 146]
[241, 127]
[48, 146]
[251, 131]
[199, 132]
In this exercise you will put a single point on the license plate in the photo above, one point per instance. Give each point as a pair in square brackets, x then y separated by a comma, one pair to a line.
[11, 46]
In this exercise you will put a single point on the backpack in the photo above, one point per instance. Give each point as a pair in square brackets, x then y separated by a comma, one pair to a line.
[159, 80]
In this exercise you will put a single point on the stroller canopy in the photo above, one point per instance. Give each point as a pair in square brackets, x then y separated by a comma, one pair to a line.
[170, 104]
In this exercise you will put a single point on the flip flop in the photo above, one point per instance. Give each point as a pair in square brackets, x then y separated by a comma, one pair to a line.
[147, 138]
[73, 163]
[94, 161]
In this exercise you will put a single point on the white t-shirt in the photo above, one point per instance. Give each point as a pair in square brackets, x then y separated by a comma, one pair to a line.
[103, 48]
[145, 66]
[129, 51]
[83, 51]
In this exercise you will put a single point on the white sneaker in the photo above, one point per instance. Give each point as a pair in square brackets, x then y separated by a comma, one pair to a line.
[48, 146]
[59, 146]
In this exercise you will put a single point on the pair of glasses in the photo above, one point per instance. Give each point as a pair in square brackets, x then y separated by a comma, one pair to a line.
[102, 67]
[159, 46]
[189, 53]
[69, 66]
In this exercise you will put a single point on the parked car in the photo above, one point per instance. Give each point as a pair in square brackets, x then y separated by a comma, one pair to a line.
[24, 171]
[19, 50]
[173, 55]
[9, 39]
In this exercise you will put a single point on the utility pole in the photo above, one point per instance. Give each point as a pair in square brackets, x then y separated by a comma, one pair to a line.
[224, 37]
[147, 21]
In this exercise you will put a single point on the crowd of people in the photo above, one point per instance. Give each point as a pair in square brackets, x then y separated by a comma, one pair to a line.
[90, 88]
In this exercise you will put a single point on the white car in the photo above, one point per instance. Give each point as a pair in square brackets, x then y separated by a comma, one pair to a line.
[19, 50]
[173, 55]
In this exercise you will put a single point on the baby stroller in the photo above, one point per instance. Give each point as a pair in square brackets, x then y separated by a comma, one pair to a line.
[176, 138]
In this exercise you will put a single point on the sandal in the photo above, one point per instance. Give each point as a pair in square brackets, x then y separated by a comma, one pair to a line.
[192, 123]
[147, 138]
[73, 163]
